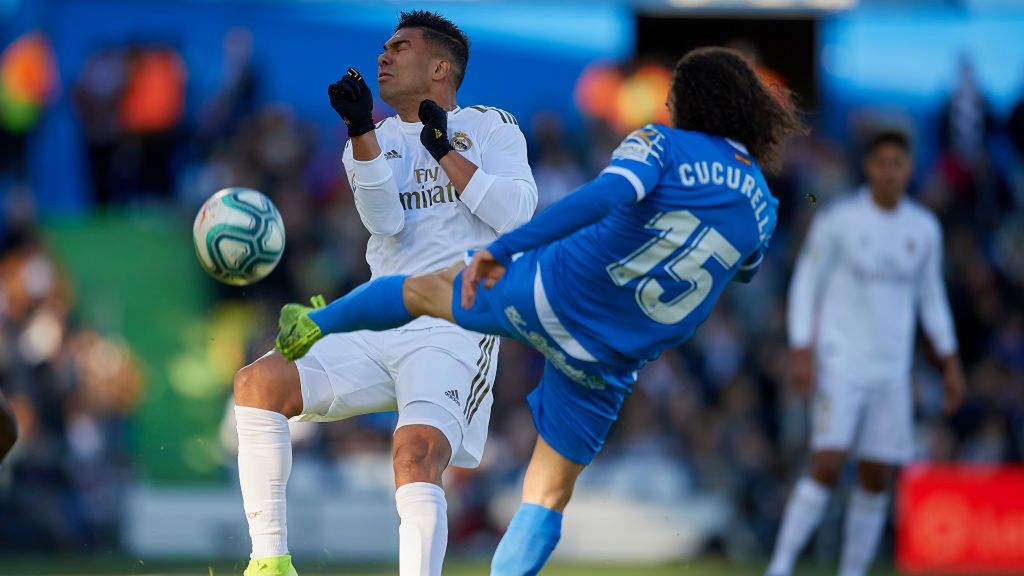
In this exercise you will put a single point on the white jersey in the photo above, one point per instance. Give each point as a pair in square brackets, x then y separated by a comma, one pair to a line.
[863, 275]
[417, 220]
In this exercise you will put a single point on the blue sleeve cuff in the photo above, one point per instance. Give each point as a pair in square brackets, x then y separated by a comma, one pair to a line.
[749, 267]
[500, 252]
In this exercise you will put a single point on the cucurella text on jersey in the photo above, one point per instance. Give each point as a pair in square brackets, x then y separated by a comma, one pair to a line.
[646, 276]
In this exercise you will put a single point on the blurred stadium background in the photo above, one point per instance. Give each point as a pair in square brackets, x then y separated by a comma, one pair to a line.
[119, 117]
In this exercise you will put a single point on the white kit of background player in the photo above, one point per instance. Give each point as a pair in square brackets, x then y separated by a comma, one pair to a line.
[424, 207]
[871, 264]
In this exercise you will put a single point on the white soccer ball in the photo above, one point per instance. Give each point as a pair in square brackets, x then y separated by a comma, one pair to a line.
[239, 236]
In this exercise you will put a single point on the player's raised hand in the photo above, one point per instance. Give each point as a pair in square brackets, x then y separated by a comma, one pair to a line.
[483, 267]
[352, 100]
[434, 135]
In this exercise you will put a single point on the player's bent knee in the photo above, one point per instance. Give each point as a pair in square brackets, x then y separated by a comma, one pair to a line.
[420, 454]
[826, 466]
[267, 385]
[874, 476]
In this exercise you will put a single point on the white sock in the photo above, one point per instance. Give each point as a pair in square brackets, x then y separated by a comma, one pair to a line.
[865, 519]
[264, 463]
[803, 513]
[423, 534]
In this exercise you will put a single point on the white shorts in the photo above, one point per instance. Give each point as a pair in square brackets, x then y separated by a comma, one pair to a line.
[440, 376]
[869, 421]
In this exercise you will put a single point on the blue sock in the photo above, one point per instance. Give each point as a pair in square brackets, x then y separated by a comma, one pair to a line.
[532, 535]
[375, 305]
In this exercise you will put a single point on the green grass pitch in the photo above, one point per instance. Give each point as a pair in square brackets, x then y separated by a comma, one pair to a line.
[110, 566]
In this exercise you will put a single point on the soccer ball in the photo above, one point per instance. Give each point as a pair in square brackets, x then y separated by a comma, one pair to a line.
[239, 236]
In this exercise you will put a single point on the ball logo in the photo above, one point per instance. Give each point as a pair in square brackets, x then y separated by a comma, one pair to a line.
[238, 236]
[461, 142]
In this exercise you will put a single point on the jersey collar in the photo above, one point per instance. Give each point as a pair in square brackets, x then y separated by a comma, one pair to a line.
[415, 127]
[737, 146]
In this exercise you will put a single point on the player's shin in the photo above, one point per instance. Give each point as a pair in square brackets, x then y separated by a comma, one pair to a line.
[529, 541]
[865, 521]
[376, 305]
[264, 464]
[803, 514]
[423, 534]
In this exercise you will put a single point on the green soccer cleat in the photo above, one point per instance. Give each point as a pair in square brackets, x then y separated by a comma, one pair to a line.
[273, 566]
[296, 330]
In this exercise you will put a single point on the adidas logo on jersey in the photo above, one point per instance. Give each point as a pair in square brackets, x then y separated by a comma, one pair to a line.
[392, 155]
[454, 396]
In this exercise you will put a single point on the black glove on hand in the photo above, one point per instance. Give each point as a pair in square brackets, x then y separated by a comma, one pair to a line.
[434, 135]
[352, 100]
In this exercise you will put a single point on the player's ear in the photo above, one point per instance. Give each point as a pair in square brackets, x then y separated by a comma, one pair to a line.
[441, 69]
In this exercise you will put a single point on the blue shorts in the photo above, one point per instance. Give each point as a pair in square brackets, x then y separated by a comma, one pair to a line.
[576, 402]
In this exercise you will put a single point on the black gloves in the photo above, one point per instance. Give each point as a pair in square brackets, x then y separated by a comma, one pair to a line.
[434, 135]
[351, 99]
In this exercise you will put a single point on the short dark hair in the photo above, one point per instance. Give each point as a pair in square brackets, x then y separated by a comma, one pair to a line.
[440, 32]
[715, 91]
[883, 137]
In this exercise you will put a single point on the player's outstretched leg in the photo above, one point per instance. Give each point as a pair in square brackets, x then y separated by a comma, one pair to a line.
[865, 518]
[804, 510]
[267, 393]
[536, 527]
[381, 304]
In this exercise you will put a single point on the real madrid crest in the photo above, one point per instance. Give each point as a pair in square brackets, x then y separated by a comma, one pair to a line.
[461, 142]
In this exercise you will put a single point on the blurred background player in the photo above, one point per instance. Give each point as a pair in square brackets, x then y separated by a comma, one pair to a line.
[424, 204]
[606, 279]
[870, 265]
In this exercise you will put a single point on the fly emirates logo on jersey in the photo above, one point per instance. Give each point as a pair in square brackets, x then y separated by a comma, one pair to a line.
[704, 173]
[432, 190]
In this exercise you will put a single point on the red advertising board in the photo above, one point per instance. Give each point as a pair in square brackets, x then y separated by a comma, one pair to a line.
[960, 519]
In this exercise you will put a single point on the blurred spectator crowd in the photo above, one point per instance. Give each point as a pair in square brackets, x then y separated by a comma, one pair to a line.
[716, 413]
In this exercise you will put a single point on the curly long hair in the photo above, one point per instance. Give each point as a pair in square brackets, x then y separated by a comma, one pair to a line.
[715, 91]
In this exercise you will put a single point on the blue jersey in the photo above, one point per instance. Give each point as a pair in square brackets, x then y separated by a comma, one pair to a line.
[643, 278]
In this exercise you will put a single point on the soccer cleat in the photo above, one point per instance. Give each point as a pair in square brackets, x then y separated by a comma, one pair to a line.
[297, 332]
[273, 566]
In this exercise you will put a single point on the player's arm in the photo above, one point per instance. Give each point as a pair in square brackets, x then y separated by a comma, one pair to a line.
[587, 205]
[501, 191]
[373, 188]
[634, 171]
[804, 293]
[937, 320]
[373, 184]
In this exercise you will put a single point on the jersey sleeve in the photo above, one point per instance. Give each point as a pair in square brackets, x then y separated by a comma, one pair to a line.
[375, 193]
[749, 267]
[502, 191]
[812, 265]
[586, 205]
[936, 317]
[640, 159]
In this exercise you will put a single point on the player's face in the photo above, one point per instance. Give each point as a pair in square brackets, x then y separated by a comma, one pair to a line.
[888, 171]
[405, 66]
